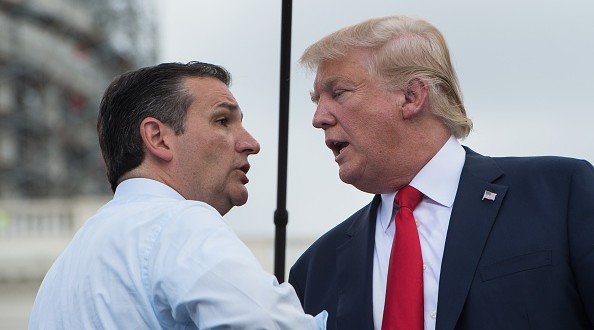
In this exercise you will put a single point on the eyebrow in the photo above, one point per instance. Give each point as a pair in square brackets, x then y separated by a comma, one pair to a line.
[315, 97]
[231, 107]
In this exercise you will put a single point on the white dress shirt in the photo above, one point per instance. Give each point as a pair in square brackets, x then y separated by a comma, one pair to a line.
[150, 259]
[438, 181]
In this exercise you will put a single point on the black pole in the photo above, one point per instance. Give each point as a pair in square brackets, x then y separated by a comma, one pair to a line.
[281, 216]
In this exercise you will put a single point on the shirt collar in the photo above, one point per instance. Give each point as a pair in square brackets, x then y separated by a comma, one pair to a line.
[145, 187]
[437, 180]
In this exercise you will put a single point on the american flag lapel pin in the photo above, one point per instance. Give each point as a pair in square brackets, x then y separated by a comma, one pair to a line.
[489, 195]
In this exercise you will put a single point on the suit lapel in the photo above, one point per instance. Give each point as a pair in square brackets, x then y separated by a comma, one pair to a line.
[354, 263]
[470, 223]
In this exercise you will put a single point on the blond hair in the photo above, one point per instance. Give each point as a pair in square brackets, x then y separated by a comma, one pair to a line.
[404, 48]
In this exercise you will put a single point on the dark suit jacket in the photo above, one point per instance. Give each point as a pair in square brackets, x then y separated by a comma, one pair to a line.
[522, 261]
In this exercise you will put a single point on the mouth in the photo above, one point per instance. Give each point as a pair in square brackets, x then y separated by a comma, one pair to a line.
[244, 168]
[336, 146]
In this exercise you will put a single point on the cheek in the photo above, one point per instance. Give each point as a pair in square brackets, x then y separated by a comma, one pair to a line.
[217, 149]
[371, 130]
[378, 142]
[223, 159]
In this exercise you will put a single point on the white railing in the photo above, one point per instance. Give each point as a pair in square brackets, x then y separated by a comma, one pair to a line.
[33, 232]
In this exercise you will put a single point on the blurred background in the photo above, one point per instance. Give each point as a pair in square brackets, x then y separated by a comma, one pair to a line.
[525, 69]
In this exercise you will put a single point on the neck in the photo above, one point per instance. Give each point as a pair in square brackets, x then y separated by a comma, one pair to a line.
[424, 146]
[146, 171]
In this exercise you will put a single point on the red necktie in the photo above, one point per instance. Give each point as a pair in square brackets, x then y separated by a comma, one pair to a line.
[403, 309]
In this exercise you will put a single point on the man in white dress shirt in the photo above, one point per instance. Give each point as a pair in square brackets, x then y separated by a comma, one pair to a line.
[452, 239]
[159, 254]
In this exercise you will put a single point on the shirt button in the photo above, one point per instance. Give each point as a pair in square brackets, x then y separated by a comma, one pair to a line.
[424, 267]
[418, 223]
[433, 315]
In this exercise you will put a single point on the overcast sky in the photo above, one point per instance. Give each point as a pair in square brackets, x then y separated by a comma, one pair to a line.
[525, 68]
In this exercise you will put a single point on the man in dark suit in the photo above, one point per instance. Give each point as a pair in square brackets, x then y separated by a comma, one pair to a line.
[452, 239]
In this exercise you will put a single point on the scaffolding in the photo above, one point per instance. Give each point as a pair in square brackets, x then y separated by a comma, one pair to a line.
[56, 59]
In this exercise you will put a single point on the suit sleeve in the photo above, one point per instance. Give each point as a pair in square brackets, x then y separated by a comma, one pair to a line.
[581, 233]
[295, 283]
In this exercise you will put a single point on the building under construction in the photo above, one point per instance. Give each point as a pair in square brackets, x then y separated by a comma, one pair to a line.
[56, 59]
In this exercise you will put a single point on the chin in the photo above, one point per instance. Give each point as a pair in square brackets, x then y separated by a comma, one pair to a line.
[239, 202]
[358, 181]
[239, 198]
[348, 176]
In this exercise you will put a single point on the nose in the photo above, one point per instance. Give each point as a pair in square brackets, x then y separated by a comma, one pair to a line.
[322, 117]
[248, 144]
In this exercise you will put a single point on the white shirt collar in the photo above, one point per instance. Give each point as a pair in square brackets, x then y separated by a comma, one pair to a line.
[437, 180]
[143, 186]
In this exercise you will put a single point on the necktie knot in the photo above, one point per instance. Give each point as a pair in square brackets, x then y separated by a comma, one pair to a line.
[408, 197]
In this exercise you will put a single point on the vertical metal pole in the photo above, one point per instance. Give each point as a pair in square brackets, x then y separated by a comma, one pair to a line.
[281, 216]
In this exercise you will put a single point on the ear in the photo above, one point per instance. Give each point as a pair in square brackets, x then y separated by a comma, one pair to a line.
[415, 98]
[157, 138]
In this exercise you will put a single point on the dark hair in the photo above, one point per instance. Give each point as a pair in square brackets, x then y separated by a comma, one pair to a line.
[156, 91]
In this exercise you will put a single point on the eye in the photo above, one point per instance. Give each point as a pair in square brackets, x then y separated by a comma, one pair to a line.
[223, 121]
[337, 93]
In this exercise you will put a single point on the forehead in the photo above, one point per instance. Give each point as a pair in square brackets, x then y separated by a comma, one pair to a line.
[207, 91]
[354, 66]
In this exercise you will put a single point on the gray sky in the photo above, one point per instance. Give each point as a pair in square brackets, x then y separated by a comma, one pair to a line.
[525, 68]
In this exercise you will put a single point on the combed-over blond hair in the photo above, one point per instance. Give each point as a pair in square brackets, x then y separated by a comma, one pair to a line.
[404, 48]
